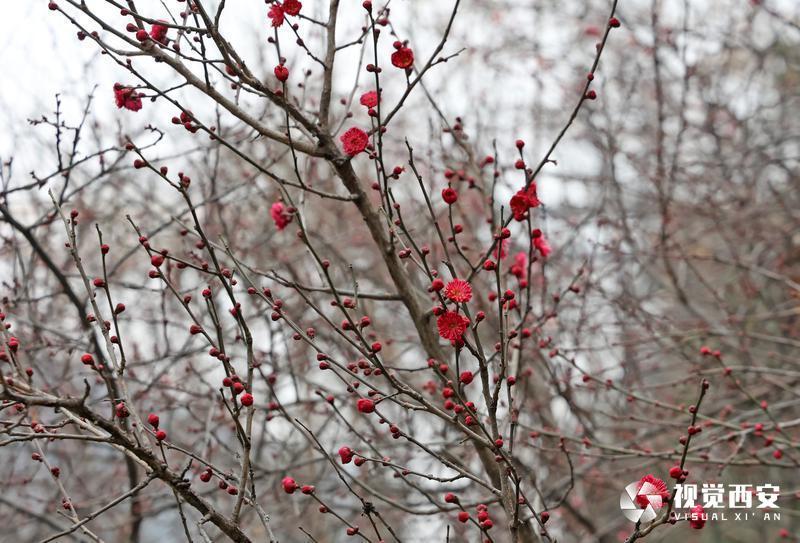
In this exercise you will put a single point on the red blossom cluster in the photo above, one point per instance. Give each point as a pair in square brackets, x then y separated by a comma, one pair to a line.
[158, 32]
[403, 56]
[127, 97]
[524, 200]
[280, 215]
[354, 141]
[279, 10]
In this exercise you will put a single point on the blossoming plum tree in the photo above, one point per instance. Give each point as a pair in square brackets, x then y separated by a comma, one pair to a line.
[319, 326]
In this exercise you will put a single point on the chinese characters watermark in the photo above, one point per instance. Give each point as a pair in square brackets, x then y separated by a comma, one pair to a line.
[735, 501]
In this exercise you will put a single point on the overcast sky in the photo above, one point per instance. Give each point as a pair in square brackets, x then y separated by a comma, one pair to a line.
[41, 57]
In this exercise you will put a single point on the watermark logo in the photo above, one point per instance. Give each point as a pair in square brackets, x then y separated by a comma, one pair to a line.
[642, 499]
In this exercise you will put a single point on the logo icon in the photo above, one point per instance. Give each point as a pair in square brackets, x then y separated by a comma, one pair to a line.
[640, 500]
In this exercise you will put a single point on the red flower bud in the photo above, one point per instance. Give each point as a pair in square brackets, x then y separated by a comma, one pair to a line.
[365, 405]
[346, 454]
[281, 73]
[289, 485]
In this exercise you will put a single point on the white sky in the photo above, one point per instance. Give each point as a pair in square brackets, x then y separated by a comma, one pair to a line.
[41, 57]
